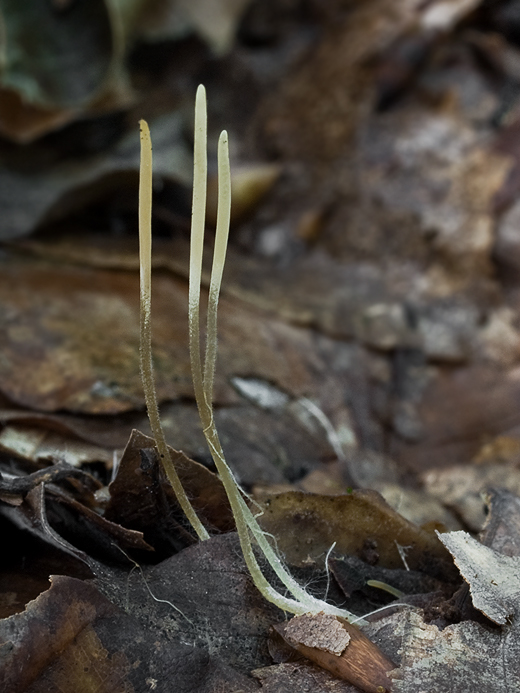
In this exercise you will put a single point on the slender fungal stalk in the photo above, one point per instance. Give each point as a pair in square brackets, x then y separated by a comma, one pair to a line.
[219, 258]
[203, 385]
[198, 217]
[145, 264]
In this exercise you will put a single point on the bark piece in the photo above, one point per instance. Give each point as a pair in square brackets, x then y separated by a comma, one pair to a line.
[464, 657]
[300, 676]
[341, 649]
[321, 631]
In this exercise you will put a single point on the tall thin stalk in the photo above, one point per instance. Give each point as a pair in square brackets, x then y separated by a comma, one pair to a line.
[246, 524]
[145, 265]
[198, 217]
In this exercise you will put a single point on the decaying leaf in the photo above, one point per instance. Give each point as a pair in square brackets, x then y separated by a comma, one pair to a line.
[502, 530]
[215, 21]
[40, 444]
[463, 658]
[141, 498]
[36, 195]
[354, 575]
[360, 523]
[445, 147]
[59, 61]
[420, 507]
[109, 432]
[461, 409]
[315, 111]
[460, 487]
[47, 74]
[52, 361]
[14, 488]
[300, 676]
[468, 655]
[73, 638]
[204, 596]
[66, 611]
[494, 579]
[56, 517]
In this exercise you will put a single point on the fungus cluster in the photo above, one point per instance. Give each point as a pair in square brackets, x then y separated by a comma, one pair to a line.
[249, 532]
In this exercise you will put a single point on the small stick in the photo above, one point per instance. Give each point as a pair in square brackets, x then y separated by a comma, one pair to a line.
[361, 662]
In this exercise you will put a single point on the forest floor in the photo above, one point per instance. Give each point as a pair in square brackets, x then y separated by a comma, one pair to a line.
[367, 391]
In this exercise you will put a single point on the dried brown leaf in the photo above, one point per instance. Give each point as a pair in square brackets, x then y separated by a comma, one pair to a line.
[41, 444]
[73, 640]
[31, 196]
[360, 523]
[141, 498]
[460, 410]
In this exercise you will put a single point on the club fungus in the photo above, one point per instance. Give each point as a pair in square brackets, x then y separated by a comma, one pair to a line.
[361, 662]
[145, 266]
[249, 531]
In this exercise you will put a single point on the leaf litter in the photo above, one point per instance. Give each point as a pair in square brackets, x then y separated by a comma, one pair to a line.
[366, 280]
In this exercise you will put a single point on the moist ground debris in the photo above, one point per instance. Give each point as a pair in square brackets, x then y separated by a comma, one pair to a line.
[366, 394]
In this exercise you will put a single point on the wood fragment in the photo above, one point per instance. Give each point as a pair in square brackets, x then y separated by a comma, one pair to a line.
[360, 661]
[321, 631]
